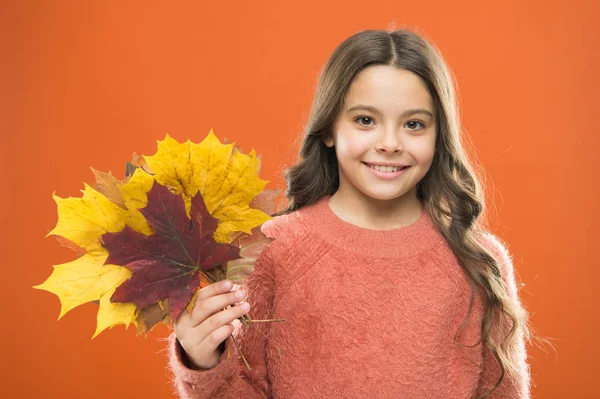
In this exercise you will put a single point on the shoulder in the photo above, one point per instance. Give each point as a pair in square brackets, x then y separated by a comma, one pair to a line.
[496, 246]
[285, 227]
[286, 231]
[500, 250]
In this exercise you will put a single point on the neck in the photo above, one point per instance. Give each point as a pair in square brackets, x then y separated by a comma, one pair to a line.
[371, 213]
[349, 237]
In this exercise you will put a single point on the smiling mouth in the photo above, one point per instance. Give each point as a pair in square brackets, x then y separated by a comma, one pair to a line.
[388, 169]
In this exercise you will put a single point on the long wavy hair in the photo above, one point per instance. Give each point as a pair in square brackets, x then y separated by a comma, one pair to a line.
[450, 191]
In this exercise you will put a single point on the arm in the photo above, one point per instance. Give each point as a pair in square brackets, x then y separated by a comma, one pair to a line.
[509, 388]
[230, 378]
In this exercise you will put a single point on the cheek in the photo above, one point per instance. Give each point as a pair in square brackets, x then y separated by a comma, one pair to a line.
[351, 146]
[423, 151]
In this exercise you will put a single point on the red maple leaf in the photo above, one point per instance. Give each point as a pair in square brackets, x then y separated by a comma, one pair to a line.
[166, 264]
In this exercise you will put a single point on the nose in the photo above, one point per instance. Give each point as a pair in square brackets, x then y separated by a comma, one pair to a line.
[389, 142]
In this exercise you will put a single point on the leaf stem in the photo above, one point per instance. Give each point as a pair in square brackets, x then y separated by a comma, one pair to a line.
[243, 321]
[241, 354]
[246, 265]
[264, 321]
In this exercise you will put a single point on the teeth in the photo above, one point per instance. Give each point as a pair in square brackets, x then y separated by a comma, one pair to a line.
[385, 168]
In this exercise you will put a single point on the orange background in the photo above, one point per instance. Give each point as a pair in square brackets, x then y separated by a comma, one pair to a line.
[87, 83]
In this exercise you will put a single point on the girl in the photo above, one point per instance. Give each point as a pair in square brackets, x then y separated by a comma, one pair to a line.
[388, 283]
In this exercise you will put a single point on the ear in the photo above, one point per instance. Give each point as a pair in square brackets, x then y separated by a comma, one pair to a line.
[328, 140]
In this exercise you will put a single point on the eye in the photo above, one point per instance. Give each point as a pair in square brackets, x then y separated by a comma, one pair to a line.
[363, 118]
[415, 122]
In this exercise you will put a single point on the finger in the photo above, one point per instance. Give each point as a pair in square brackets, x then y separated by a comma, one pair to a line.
[216, 321]
[213, 340]
[184, 315]
[183, 319]
[207, 307]
[213, 289]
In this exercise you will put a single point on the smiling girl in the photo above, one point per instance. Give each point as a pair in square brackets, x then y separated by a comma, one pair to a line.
[389, 284]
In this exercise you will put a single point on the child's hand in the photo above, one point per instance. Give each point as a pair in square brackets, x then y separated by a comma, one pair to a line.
[201, 332]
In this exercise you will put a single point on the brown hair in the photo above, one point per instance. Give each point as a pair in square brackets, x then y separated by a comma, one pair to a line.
[450, 191]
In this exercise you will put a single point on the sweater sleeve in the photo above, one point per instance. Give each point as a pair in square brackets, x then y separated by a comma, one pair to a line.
[230, 378]
[518, 387]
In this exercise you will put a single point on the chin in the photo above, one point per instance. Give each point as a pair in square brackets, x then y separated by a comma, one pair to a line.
[382, 196]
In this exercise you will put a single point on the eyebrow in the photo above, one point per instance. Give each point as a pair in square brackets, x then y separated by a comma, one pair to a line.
[408, 112]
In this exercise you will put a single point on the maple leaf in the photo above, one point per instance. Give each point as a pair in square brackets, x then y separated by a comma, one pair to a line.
[83, 280]
[108, 185]
[111, 314]
[85, 219]
[167, 264]
[152, 315]
[270, 201]
[137, 161]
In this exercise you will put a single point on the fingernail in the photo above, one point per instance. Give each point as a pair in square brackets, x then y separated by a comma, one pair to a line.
[245, 306]
[227, 284]
[239, 294]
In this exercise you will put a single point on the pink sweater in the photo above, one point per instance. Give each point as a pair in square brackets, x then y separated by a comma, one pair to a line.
[369, 314]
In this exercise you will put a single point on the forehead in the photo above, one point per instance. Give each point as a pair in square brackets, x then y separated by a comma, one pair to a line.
[389, 89]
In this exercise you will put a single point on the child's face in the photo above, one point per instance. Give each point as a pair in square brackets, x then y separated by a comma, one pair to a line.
[388, 133]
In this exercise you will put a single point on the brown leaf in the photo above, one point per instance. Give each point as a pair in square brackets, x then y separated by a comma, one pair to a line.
[71, 245]
[150, 316]
[137, 161]
[251, 245]
[265, 201]
[108, 185]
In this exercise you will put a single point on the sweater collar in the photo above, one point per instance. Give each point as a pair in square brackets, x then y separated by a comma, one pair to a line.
[400, 242]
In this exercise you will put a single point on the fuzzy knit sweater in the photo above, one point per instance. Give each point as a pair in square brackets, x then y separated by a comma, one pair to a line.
[368, 314]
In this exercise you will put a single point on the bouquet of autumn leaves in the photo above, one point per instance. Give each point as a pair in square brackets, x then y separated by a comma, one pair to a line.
[188, 216]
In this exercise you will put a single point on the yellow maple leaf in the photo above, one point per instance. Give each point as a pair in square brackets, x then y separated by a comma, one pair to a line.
[212, 160]
[172, 167]
[111, 314]
[84, 280]
[84, 220]
[134, 193]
